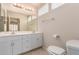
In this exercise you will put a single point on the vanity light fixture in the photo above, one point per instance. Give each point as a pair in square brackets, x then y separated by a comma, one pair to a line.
[22, 7]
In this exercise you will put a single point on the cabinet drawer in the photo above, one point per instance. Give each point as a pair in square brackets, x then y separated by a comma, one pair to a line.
[26, 36]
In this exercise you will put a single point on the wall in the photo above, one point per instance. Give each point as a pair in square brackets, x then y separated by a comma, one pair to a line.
[22, 17]
[65, 23]
[0, 9]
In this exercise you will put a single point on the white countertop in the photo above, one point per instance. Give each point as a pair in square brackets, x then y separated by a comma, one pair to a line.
[16, 33]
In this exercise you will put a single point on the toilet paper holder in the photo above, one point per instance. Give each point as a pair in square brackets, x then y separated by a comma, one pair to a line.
[56, 36]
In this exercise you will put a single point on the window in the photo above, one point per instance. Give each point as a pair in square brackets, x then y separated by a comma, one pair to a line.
[55, 5]
[44, 9]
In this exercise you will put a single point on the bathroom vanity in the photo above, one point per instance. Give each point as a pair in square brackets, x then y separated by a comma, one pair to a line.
[20, 42]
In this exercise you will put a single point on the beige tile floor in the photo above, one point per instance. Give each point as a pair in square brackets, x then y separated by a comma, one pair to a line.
[39, 51]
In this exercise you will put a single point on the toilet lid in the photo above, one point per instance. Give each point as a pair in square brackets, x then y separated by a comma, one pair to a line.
[56, 50]
[73, 44]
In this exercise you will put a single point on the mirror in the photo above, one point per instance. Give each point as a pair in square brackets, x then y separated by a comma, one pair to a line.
[13, 24]
[13, 21]
[16, 19]
[31, 23]
[1, 23]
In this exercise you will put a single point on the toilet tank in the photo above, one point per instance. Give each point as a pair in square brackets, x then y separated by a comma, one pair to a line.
[72, 47]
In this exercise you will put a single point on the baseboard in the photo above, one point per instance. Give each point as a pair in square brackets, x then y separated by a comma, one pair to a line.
[29, 51]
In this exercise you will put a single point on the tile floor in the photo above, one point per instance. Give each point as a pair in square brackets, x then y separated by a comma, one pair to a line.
[39, 51]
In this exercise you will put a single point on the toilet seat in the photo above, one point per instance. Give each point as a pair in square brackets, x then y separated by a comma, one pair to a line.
[56, 50]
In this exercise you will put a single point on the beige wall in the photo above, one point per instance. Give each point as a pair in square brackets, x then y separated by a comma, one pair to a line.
[0, 9]
[65, 23]
[22, 17]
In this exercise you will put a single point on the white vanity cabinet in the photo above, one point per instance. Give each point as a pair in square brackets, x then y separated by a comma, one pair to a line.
[32, 41]
[5, 46]
[10, 45]
[16, 44]
[26, 43]
[36, 40]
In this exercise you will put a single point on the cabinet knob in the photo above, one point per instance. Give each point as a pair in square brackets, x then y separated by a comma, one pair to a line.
[12, 44]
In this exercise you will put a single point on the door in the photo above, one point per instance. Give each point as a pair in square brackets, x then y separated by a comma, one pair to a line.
[17, 45]
[5, 46]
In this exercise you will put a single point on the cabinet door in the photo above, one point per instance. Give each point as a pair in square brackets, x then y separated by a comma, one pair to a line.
[26, 43]
[5, 46]
[36, 40]
[17, 45]
[39, 40]
[33, 41]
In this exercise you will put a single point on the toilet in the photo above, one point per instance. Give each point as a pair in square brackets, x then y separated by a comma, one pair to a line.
[54, 50]
[72, 47]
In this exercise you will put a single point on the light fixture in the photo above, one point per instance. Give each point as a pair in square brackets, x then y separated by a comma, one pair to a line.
[22, 7]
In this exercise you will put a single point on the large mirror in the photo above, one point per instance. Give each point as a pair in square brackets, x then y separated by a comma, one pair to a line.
[16, 21]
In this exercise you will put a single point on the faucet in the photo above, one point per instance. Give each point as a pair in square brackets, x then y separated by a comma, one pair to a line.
[13, 32]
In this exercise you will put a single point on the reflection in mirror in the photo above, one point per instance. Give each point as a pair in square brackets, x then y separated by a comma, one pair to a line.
[1, 23]
[13, 24]
[10, 23]
[15, 21]
[31, 23]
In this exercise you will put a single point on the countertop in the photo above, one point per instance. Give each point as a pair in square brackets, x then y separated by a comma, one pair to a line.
[2, 34]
